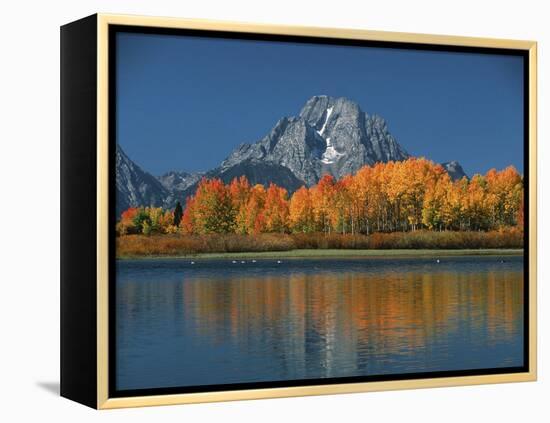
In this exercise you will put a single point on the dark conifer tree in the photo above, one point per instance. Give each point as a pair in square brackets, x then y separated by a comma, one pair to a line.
[178, 213]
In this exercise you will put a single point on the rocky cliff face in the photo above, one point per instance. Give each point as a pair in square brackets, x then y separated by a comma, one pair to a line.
[134, 186]
[179, 181]
[292, 144]
[177, 185]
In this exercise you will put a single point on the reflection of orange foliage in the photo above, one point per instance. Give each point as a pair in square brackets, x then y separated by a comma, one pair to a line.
[353, 311]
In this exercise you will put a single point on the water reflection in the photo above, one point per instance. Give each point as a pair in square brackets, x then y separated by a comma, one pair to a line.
[182, 326]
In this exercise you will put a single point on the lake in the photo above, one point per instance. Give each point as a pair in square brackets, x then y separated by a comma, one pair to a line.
[218, 322]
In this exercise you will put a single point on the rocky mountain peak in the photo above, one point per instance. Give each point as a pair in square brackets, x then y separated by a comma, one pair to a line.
[323, 110]
[329, 135]
[454, 169]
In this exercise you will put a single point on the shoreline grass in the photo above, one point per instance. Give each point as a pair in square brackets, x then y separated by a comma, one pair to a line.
[340, 253]
[316, 244]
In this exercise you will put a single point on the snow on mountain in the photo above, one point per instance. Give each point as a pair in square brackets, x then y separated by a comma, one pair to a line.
[454, 170]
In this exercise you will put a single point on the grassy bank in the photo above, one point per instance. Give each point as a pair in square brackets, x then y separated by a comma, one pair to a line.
[331, 253]
[319, 245]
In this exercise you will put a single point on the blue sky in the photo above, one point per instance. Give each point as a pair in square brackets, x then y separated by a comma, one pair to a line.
[184, 103]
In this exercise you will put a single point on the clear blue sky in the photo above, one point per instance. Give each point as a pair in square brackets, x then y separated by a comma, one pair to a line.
[184, 103]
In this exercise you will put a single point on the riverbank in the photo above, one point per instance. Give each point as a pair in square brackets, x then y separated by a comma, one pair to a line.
[316, 244]
[342, 253]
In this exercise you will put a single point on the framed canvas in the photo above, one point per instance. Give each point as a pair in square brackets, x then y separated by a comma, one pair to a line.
[256, 211]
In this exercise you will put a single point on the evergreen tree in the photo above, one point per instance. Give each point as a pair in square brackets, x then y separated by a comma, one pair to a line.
[178, 213]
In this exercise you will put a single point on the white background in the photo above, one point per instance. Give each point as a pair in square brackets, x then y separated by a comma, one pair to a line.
[29, 216]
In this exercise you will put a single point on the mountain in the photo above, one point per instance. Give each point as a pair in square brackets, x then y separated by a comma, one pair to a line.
[330, 135]
[257, 172]
[179, 181]
[454, 170]
[134, 186]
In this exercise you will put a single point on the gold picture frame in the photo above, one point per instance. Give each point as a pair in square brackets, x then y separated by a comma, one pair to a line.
[102, 22]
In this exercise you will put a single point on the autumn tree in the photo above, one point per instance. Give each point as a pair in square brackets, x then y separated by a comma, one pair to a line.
[126, 223]
[142, 220]
[212, 208]
[342, 215]
[239, 189]
[187, 223]
[477, 204]
[366, 192]
[504, 190]
[439, 205]
[301, 211]
[276, 210]
[322, 196]
[395, 196]
[520, 213]
[253, 218]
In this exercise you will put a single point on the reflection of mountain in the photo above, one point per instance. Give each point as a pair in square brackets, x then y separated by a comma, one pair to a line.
[330, 135]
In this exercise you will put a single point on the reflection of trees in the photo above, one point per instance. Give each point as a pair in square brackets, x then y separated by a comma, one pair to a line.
[328, 317]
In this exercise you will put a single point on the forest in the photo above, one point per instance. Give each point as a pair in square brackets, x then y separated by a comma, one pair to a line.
[398, 200]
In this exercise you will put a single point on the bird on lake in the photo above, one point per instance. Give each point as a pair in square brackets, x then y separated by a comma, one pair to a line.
[437, 261]
[279, 261]
[234, 261]
[253, 261]
[192, 262]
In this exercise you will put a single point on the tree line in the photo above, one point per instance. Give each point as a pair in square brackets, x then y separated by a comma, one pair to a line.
[386, 197]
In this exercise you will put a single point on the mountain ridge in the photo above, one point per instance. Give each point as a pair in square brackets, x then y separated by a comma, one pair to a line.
[134, 185]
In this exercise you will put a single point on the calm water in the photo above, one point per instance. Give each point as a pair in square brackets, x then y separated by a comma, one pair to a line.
[216, 322]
